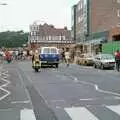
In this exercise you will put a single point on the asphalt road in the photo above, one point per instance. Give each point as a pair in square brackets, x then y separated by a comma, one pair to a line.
[66, 93]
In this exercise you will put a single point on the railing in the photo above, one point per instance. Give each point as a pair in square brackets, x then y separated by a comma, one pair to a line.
[52, 41]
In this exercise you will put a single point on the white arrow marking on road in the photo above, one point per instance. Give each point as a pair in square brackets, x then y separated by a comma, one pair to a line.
[27, 114]
[98, 89]
[80, 113]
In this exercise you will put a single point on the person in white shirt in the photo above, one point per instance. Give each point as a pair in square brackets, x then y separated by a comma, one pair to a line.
[67, 56]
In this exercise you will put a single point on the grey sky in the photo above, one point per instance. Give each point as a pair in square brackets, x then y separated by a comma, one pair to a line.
[18, 14]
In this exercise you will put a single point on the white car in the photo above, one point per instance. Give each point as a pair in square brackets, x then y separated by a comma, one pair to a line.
[104, 61]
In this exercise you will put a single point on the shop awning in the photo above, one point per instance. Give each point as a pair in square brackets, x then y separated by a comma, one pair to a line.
[95, 41]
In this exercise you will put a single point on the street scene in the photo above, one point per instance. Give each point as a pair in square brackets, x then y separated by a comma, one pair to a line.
[60, 60]
[67, 93]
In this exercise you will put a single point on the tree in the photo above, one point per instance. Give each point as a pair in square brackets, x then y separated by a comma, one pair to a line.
[12, 39]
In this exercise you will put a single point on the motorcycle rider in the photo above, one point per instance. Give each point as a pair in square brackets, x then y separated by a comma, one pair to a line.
[35, 57]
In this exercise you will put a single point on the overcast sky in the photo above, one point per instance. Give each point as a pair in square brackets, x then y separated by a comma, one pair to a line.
[18, 14]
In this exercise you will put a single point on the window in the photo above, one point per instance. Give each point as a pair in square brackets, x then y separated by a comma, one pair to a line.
[63, 37]
[118, 13]
[49, 37]
[79, 19]
[59, 37]
[79, 6]
[46, 37]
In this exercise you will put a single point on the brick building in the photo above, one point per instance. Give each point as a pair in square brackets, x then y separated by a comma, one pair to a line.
[93, 16]
[48, 35]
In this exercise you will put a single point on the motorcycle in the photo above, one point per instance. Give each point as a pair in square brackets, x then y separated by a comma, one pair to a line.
[36, 65]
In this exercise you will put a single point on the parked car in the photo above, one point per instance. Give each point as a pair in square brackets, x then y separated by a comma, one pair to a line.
[49, 56]
[86, 59]
[104, 61]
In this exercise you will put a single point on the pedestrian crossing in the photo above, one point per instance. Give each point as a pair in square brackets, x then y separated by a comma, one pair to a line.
[86, 113]
[27, 115]
[77, 113]
[17, 114]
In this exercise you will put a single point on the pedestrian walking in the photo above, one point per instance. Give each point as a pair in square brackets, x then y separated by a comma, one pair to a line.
[67, 56]
[63, 55]
[117, 59]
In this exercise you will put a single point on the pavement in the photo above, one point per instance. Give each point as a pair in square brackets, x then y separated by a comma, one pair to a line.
[67, 93]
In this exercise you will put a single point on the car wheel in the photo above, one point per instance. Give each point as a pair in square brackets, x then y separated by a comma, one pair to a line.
[95, 66]
[57, 65]
[36, 69]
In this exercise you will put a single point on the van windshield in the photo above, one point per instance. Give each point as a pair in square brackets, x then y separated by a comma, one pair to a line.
[53, 51]
[46, 50]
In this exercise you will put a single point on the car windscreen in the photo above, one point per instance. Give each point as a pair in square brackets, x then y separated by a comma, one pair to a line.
[107, 57]
[53, 51]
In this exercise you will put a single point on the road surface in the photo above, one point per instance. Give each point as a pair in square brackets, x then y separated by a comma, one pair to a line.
[66, 93]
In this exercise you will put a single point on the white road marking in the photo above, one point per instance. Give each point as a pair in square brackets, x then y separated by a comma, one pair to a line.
[97, 98]
[57, 100]
[76, 80]
[4, 78]
[27, 114]
[98, 89]
[80, 113]
[58, 107]
[88, 99]
[20, 102]
[115, 108]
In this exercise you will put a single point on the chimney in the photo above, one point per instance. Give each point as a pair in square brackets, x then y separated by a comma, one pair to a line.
[52, 26]
[65, 28]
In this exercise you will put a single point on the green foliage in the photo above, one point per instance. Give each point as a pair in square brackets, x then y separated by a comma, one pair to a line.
[12, 39]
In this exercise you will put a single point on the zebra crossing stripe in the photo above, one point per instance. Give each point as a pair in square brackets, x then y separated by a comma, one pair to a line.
[27, 114]
[80, 113]
[114, 108]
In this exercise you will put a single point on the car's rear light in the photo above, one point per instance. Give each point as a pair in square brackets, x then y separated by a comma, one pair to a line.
[112, 62]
